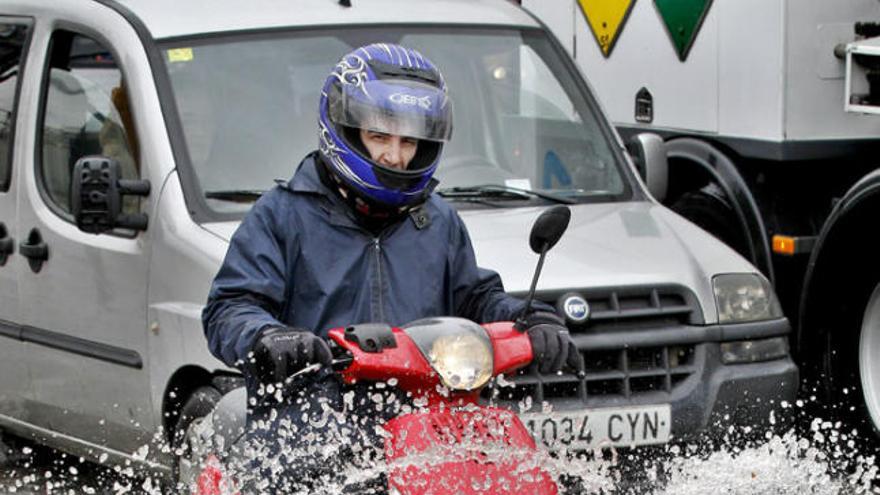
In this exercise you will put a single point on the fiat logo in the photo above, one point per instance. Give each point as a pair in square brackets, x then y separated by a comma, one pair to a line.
[576, 308]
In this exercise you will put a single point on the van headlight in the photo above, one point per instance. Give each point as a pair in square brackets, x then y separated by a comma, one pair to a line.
[744, 297]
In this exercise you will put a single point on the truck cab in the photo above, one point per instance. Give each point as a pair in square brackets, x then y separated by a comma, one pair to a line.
[138, 135]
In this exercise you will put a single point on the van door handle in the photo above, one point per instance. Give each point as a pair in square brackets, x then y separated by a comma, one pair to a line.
[7, 244]
[35, 250]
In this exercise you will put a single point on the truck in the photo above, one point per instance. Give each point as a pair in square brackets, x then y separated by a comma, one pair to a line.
[768, 110]
[137, 135]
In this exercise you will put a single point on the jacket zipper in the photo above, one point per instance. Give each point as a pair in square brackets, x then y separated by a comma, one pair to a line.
[377, 248]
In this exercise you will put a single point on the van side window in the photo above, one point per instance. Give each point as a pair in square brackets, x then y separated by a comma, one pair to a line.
[86, 112]
[12, 40]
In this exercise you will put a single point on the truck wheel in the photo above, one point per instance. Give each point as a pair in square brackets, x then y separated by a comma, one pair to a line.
[710, 209]
[185, 468]
[869, 361]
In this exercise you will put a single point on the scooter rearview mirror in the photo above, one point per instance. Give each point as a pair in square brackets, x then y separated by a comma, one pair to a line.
[548, 228]
[546, 232]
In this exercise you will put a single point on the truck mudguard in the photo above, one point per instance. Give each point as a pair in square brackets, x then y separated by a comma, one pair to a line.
[724, 173]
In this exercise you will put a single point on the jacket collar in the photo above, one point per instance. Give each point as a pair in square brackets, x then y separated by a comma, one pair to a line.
[305, 179]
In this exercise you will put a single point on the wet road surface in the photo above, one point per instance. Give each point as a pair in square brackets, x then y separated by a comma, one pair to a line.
[819, 460]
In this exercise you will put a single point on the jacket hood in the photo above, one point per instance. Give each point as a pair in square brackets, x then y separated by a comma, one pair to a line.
[606, 245]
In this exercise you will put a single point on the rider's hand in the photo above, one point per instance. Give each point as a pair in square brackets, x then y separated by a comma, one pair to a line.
[552, 346]
[280, 352]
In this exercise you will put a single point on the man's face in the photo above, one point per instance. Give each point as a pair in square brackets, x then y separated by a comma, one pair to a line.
[389, 150]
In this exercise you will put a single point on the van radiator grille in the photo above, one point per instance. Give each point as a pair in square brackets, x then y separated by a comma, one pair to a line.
[609, 373]
[639, 307]
[623, 371]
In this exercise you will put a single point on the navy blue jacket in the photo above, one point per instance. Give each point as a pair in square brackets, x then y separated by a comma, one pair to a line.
[299, 259]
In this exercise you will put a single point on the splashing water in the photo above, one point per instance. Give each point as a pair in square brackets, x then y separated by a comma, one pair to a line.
[821, 460]
[782, 465]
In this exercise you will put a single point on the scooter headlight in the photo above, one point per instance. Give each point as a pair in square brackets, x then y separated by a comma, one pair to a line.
[459, 350]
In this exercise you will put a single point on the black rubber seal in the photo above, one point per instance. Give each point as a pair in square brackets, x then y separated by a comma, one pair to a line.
[73, 345]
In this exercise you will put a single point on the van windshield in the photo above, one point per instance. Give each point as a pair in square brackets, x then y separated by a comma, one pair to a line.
[248, 105]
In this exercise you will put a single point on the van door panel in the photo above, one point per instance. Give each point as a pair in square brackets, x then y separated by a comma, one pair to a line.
[14, 381]
[84, 312]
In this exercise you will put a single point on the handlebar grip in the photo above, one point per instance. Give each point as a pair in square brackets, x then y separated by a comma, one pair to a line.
[342, 358]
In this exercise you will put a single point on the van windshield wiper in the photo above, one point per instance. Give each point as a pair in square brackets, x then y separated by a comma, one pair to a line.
[497, 191]
[236, 195]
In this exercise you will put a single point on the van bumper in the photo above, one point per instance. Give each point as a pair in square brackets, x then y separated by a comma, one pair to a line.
[739, 395]
[707, 395]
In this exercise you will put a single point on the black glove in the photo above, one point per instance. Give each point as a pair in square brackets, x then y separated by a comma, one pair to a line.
[552, 346]
[282, 351]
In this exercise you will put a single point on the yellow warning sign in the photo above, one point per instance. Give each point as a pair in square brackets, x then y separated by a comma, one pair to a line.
[180, 55]
[606, 19]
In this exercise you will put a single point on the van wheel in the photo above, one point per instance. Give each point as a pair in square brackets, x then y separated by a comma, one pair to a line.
[185, 468]
[18, 451]
[7, 453]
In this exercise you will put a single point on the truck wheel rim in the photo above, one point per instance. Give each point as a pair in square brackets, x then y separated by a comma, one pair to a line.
[869, 357]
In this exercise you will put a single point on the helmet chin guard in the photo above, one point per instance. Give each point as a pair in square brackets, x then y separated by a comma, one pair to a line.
[393, 90]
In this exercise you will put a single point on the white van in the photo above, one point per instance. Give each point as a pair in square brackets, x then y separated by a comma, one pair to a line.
[194, 108]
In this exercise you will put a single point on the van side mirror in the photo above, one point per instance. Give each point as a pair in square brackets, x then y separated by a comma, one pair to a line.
[96, 196]
[648, 151]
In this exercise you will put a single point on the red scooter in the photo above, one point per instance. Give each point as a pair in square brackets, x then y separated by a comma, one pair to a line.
[451, 444]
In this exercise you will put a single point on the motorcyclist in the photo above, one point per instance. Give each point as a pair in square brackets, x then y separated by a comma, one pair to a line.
[356, 236]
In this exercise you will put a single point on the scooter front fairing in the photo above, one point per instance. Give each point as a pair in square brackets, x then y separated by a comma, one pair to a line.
[454, 444]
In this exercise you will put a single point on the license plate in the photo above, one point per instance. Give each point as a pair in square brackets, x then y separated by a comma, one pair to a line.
[597, 428]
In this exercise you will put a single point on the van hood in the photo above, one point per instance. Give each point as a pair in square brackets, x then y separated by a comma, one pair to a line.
[606, 245]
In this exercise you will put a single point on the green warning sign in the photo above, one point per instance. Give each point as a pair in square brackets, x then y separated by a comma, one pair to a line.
[683, 19]
[606, 19]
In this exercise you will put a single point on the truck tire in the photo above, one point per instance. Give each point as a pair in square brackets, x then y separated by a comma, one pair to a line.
[710, 209]
[869, 364]
[694, 162]
[198, 405]
[838, 339]
[840, 349]
[847, 375]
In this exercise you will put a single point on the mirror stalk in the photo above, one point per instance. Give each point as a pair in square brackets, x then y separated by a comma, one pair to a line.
[520, 323]
[546, 231]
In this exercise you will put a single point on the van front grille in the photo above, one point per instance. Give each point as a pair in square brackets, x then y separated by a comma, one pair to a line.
[637, 341]
[624, 373]
[640, 306]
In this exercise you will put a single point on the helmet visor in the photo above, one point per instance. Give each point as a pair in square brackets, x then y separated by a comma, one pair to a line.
[397, 107]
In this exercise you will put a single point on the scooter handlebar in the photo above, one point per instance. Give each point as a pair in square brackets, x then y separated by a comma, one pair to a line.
[512, 348]
[403, 360]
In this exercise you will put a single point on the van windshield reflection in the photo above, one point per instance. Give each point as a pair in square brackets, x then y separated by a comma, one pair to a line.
[249, 110]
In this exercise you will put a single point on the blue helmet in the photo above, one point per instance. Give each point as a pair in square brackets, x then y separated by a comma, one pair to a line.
[390, 89]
